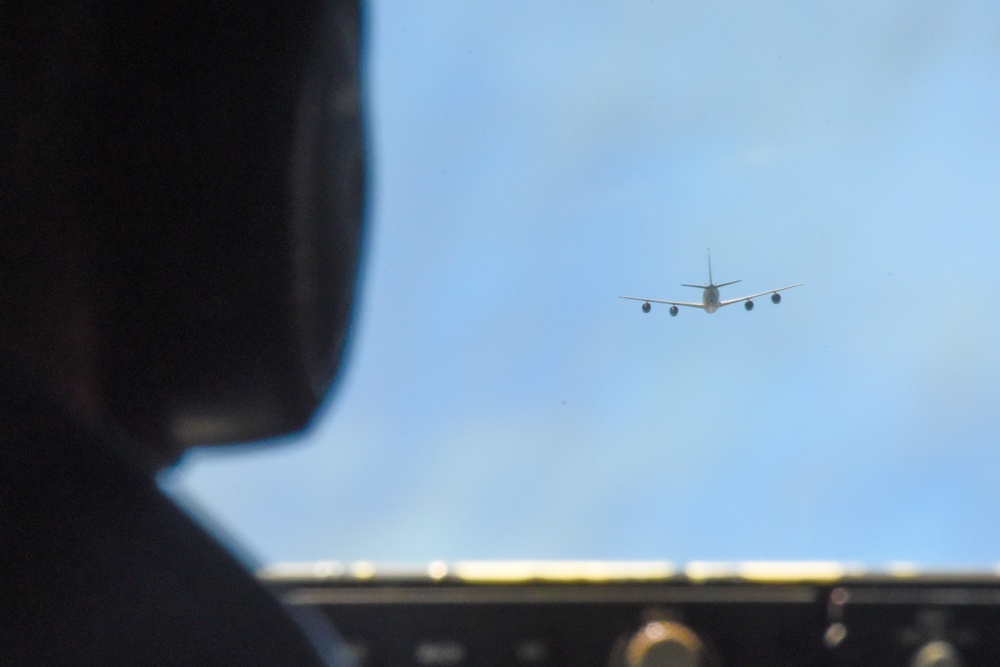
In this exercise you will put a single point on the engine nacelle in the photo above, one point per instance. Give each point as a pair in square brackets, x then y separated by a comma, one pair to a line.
[673, 311]
[748, 304]
[775, 298]
[646, 306]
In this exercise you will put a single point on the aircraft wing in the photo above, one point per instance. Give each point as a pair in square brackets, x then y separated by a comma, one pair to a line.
[728, 302]
[671, 303]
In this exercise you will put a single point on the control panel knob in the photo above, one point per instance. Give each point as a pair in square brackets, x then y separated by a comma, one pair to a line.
[664, 644]
[936, 654]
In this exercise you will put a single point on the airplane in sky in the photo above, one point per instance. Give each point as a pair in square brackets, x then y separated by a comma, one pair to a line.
[710, 296]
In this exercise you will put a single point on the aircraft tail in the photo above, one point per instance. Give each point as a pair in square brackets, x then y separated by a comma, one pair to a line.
[710, 282]
[709, 275]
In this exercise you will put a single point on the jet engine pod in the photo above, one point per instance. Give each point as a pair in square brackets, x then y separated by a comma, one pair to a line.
[646, 306]
[748, 304]
[673, 311]
[775, 298]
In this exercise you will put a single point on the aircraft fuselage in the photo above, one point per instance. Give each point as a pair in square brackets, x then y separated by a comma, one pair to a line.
[710, 297]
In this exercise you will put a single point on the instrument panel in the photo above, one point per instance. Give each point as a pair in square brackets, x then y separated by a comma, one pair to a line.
[650, 614]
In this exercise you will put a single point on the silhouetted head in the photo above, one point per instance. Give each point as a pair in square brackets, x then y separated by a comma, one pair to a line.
[181, 212]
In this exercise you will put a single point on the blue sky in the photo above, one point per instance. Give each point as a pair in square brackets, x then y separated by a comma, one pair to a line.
[532, 163]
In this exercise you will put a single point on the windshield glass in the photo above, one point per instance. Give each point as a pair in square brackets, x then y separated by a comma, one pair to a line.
[530, 164]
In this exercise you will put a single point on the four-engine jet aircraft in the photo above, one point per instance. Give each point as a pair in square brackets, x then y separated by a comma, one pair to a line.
[710, 296]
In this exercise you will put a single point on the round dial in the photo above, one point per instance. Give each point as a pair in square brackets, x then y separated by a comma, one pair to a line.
[664, 644]
[936, 654]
